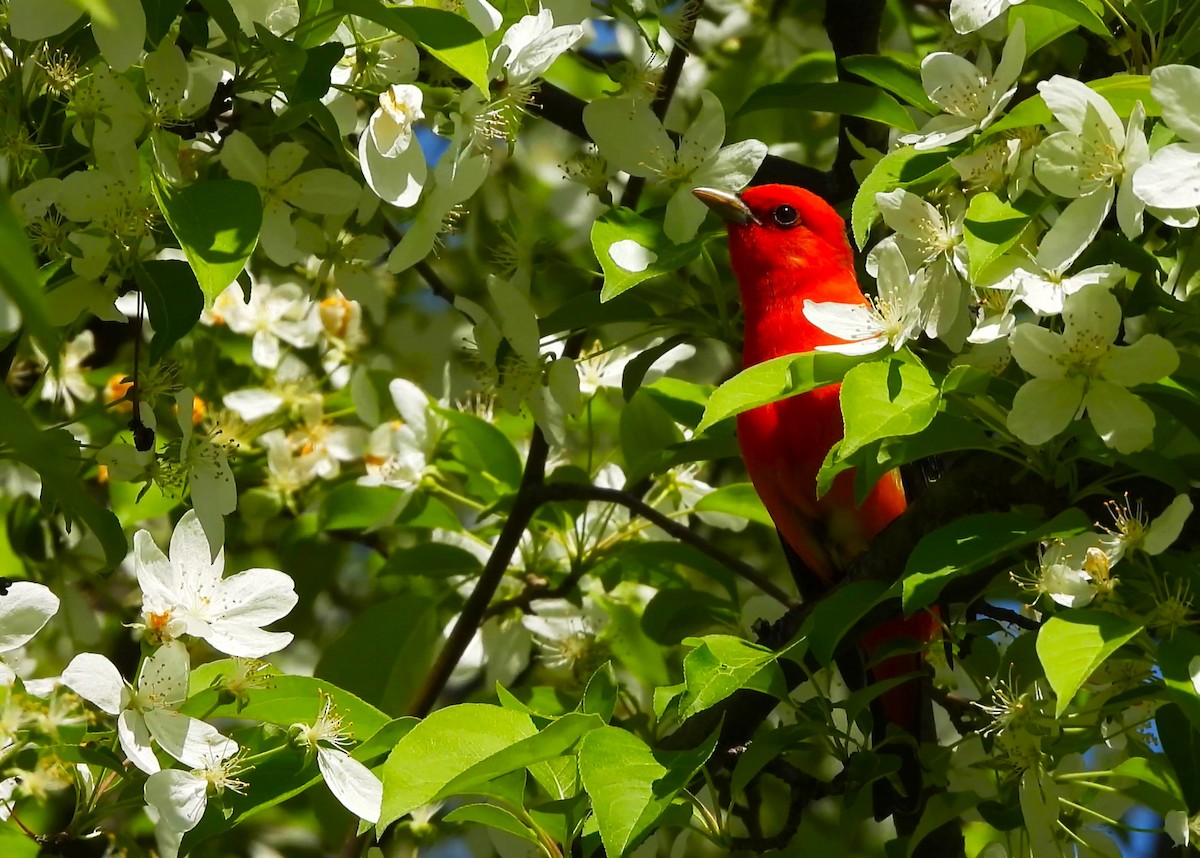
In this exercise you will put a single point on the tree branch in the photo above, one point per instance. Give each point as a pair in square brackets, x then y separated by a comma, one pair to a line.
[581, 492]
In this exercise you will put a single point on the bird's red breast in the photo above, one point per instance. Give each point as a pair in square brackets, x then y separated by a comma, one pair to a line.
[780, 263]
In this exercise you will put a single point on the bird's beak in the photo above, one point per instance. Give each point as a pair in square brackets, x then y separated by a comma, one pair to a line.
[727, 205]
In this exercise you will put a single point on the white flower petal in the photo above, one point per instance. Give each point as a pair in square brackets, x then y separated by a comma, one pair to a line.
[190, 554]
[24, 611]
[179, 797]
[134, 736]
[1147, 360]
[1172, 178]
[396, 180]
[1038, 351]
[1069, 100]
[189, 740]
[253, 403]
[1122, 420]
[846, 321]
[1177, 89]
[1175, 823]
[413, 405]
[1165, 529]
[164, 676]
[255, 597]
[245, 641]
[97, 680]
[351, 783]
[1074, 230]
[1044, 407]
[121, 43]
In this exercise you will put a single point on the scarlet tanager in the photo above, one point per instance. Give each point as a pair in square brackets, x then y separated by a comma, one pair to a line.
[787, 245]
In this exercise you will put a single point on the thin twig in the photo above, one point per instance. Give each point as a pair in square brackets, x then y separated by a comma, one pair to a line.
[1004, 615]
[582, 492]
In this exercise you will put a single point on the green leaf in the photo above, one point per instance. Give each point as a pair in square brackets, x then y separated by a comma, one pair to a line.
[739, 499]
[722, 664]
[173, 298]
[555, 740]
[849, 99]
[600, 693]
[837, 613]
[354, 507]
[902, 168]
[317, 23]
[1158, 788]
[647, 433]
[494, 817]
[636, 369]
[276, 698]
[973, 542]
[1072, 644]
[940, 808]
[447, 743]
[312, 80]
[659, 255]
[992, 226]
[1175, 656]
[402, 634]
[674, 614]
[20, 281]
[216, 223]
[894, 75]
[432, 560]
[55, 455]
[1081, 13]
[484, 446]
[451, 38]
[884, 399]
[948, 432]
[1181, 745]
[628, 786]
[776, 379]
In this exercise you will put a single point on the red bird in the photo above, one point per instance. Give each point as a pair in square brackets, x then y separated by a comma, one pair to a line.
[787, 245]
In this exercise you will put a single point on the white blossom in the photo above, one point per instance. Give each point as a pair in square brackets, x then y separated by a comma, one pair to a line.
[351, 782]
[186, 594]
[972, 96]
[179, 797]
[632, 139]
[150, 712]
[1171, 178]
[67, 383]
[273, 314]
[892, 319]
[392, 161]
[1080, 371]
[25, 607]
[530, 46]
[285, 188]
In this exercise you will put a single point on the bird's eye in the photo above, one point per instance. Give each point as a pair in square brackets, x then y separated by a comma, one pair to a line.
[786, 216]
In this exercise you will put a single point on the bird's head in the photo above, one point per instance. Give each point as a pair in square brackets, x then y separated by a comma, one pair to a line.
[781, 228]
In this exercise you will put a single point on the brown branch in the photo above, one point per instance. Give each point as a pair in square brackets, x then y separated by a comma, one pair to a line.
[581, 492]
[1004, 615]
[525, 504]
